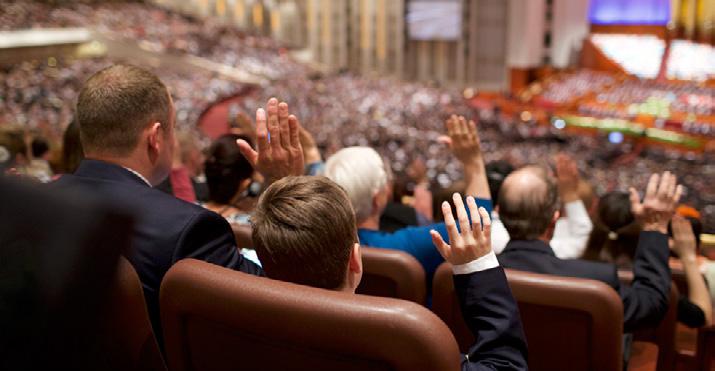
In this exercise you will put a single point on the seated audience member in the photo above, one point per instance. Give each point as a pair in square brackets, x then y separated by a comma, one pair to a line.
[421, 193]
[39, 166]
[229, 176]
[396, 215]
[186, 168]
[127, 118]
[497, 171]
[528, 207]
[305, 232]
[615, 238]
[364, 176]
[615, 235]
[574, 226]
[695, 310]
[72, 151]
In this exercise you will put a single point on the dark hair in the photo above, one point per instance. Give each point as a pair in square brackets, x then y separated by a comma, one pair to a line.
[116, 104]
[304, 230]
[497, 171]
[39, 147]
[72, 151]
[226, 168]
[528, 213]
[614, 237]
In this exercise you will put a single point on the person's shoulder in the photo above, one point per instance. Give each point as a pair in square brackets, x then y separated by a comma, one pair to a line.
[136, 195]
[549, 264]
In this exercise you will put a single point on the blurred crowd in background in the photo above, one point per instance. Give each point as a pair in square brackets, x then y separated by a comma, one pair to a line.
[402, 120]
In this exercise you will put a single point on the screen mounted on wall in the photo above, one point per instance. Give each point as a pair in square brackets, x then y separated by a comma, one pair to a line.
[434, 19]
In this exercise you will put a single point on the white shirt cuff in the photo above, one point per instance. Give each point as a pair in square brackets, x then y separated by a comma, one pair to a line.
[488, 261]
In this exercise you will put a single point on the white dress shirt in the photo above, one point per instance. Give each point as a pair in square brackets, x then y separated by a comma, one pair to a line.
[488, 261]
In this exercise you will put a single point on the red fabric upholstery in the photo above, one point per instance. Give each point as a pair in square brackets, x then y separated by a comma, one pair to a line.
[663, 336]
[571, 324]
[393, 274]
[218, 319]
[128, 328]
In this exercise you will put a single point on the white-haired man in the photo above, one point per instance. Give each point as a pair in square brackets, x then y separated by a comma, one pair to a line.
[363, 175]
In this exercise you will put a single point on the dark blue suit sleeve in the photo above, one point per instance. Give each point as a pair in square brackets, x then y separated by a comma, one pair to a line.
[645, 302]
[209, 237]
[492, 315]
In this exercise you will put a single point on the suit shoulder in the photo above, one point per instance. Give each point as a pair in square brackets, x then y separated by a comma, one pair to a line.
[600, 271]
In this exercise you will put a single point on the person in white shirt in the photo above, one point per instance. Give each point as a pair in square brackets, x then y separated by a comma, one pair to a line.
[574, 227]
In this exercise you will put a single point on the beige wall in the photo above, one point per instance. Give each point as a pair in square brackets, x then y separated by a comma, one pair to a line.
[370, 36]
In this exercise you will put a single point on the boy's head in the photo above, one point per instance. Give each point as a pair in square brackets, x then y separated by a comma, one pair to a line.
[304, 232]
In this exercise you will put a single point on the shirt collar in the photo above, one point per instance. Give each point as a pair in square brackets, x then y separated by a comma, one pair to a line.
[138, 175]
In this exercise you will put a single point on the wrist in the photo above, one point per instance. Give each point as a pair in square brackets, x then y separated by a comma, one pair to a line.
[474, 164]
[481, 263]
[312, 155]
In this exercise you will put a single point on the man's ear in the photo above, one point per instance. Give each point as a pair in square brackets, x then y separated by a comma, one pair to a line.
[155, 136]
[355, 264]
[557, 215]
[375, 202]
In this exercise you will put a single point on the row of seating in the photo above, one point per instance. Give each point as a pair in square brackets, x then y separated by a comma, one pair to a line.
[217, 319]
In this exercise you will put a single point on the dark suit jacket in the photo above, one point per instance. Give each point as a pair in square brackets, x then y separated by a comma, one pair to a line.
[644, 302]
[167, 229]
[490, 311]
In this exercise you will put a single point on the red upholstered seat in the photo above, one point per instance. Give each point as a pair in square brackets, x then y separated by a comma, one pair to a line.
[571, 324]
[393, 274]
[218, 319]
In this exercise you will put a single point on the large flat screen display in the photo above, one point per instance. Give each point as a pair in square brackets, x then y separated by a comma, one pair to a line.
[630, 12]
[434, 19]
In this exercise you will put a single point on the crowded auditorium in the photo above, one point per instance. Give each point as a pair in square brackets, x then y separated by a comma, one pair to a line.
[357, 185]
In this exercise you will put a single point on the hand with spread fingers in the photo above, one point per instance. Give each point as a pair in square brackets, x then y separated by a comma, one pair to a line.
[474, 240]
[463, 138]
[658, 205]
[279, 151]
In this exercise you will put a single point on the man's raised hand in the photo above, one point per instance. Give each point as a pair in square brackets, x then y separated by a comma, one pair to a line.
[567, 177]
[474, 240]
[279, 152]
[658, 206]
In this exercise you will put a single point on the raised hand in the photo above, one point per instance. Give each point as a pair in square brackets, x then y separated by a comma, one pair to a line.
[463, 139]
[684, 243]
[280, 153]
[567, 177]
[658, 205]
[474, 240]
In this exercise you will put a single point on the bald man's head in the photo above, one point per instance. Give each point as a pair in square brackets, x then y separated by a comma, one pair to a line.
[527, 202]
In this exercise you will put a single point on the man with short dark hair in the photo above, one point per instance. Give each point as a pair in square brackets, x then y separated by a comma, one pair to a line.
[304, 232]
[529, 208]
[126, 119]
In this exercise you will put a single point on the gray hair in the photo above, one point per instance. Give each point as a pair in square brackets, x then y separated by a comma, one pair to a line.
[361, 172]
